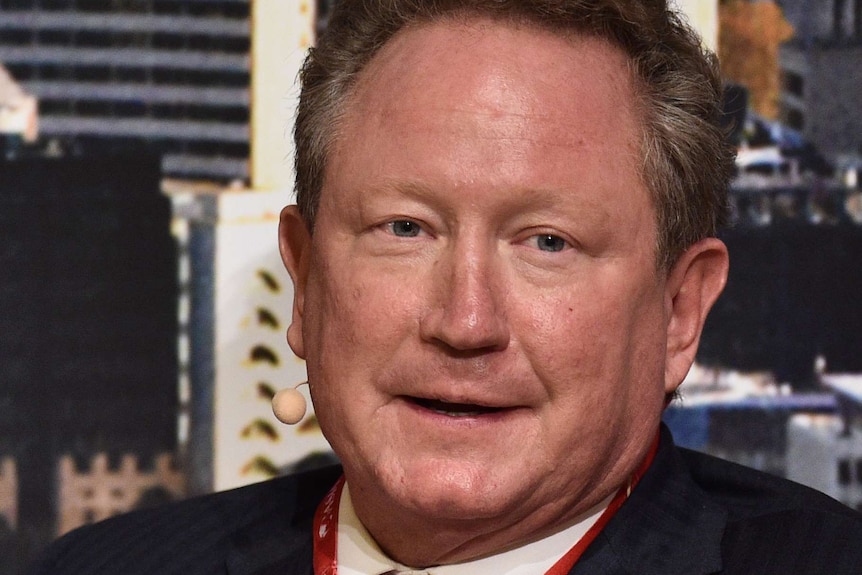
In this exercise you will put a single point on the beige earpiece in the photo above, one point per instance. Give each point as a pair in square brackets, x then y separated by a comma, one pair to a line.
[289, 406]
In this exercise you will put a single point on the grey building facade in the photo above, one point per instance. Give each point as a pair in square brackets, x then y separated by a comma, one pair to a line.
[822, 74]
[172, 75]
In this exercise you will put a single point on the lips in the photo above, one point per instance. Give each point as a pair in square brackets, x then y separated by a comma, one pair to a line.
[454, 409]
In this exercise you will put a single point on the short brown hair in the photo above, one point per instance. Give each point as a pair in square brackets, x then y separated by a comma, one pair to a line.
[687, 160]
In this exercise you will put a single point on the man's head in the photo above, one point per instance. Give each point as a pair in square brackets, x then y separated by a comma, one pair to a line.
[686, 161]
[489, 340]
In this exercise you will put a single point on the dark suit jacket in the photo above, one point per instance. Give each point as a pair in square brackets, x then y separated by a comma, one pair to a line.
[690, 514]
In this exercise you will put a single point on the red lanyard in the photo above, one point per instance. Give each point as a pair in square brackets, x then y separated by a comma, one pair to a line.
[567, 561]
[326, 531]
[326, 525]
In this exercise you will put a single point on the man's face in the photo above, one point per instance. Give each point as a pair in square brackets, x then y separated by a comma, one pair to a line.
[484, 324]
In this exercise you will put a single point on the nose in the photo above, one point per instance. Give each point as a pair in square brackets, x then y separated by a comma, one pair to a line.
[467, 311]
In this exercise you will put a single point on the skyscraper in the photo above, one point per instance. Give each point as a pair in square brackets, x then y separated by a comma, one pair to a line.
[170, 74]
[88, 354]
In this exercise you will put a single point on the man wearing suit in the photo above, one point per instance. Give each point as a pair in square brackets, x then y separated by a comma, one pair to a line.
[503, 252]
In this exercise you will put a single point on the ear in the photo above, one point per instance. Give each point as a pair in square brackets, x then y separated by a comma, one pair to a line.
[294, 243]
[693, 284]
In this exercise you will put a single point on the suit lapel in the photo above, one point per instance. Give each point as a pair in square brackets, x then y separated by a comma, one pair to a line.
[279, 540]
[667, 527]
[274, 553]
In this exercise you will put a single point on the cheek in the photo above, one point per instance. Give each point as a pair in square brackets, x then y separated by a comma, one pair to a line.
[578, 331]
[354, 324]
[597, 343]
[602, 366]
[348, 308]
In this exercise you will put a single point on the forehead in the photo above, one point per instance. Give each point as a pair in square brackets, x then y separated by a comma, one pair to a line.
[461, 52]
[453, 95]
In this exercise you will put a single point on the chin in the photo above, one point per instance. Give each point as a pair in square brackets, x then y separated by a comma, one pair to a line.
[449, 490]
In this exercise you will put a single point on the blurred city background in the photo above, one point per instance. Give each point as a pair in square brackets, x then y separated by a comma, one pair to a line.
[145, 155]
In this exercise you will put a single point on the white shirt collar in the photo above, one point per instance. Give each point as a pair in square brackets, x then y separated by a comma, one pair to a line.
[358, 553]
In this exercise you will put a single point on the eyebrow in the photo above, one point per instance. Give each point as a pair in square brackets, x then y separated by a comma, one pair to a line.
[524, 198]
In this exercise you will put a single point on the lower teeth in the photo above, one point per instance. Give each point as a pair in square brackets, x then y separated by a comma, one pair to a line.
[458, 413]
[453, 409]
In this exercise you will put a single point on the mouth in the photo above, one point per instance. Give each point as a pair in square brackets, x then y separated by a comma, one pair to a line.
[454, 409]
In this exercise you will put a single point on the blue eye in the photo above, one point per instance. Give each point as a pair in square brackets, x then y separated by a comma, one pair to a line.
[550, 243]
[404, 228]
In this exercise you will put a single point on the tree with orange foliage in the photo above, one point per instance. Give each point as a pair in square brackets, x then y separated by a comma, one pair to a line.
[750, 33]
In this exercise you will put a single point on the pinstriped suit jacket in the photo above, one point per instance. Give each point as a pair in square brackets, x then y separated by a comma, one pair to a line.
[690, 515]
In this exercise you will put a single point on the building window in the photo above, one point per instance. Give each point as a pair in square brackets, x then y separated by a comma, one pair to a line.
[794, 83]
[795, 119]
[838, 18]
[324, 7]
[844, 472]
[857, 19]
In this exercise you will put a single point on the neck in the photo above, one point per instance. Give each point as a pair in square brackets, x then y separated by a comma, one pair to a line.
[451, 538]
[452, 541]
